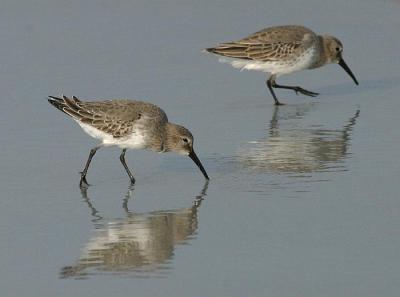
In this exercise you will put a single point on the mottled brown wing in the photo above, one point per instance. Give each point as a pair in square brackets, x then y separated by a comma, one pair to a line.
[115, 117]
[270, 44]
[284, 34]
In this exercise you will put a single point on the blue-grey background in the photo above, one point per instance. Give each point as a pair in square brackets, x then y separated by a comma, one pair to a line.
[303, 200]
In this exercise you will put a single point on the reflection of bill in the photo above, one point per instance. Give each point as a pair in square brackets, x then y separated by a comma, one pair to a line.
[137, 243]
[296, 149]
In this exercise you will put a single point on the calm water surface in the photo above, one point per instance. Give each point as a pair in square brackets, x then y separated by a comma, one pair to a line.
[137, 245]
[303, 199]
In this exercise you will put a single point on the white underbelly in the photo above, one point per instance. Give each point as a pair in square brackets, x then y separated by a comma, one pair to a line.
[136, 140]
[278, 68]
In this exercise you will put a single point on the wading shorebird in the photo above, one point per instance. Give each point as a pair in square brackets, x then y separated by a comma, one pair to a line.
[283, 50]
[128, 125]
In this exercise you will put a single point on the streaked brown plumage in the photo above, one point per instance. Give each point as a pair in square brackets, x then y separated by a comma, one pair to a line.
[270, 44]
[115, 117]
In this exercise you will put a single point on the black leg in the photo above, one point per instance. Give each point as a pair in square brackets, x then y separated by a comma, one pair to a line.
[297, 89]
[271, 83]
[83, 181]
[122, 158]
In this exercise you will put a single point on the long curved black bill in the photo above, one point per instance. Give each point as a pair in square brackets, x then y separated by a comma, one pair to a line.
[196, 160]
[347, 69]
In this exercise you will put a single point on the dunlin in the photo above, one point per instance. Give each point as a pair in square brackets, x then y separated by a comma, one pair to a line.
[128, 125]
[283, 50]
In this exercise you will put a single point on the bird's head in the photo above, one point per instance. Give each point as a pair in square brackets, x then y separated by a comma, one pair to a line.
[180, 140]
[333, 54]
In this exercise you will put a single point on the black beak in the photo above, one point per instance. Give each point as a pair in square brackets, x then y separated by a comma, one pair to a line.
[196, 160]
[347, 69]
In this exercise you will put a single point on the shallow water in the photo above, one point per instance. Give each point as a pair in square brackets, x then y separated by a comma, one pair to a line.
[302, 200]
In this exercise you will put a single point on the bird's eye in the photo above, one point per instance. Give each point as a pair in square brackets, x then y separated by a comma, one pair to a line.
[338, 49]
[185, 140]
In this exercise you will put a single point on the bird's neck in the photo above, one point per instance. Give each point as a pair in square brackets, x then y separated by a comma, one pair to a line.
[169, 137]
[321, 58]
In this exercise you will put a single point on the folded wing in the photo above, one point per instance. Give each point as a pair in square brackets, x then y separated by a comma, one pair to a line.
[268, 45]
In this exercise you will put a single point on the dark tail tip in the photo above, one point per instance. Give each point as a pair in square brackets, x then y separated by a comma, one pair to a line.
[53, 98]
[210, 50]
[56, 102]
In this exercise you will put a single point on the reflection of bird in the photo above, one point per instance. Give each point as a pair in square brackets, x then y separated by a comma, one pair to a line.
[283, 50]
[139, 242]
[294, 149]
[128, 125]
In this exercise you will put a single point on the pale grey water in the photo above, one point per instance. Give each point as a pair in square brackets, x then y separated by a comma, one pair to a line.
[303, 200]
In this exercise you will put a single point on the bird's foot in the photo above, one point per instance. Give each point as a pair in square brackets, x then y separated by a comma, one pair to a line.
[277, 103]
[304, 92]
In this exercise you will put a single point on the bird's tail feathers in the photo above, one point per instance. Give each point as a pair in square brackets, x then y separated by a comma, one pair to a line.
[66, 105]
